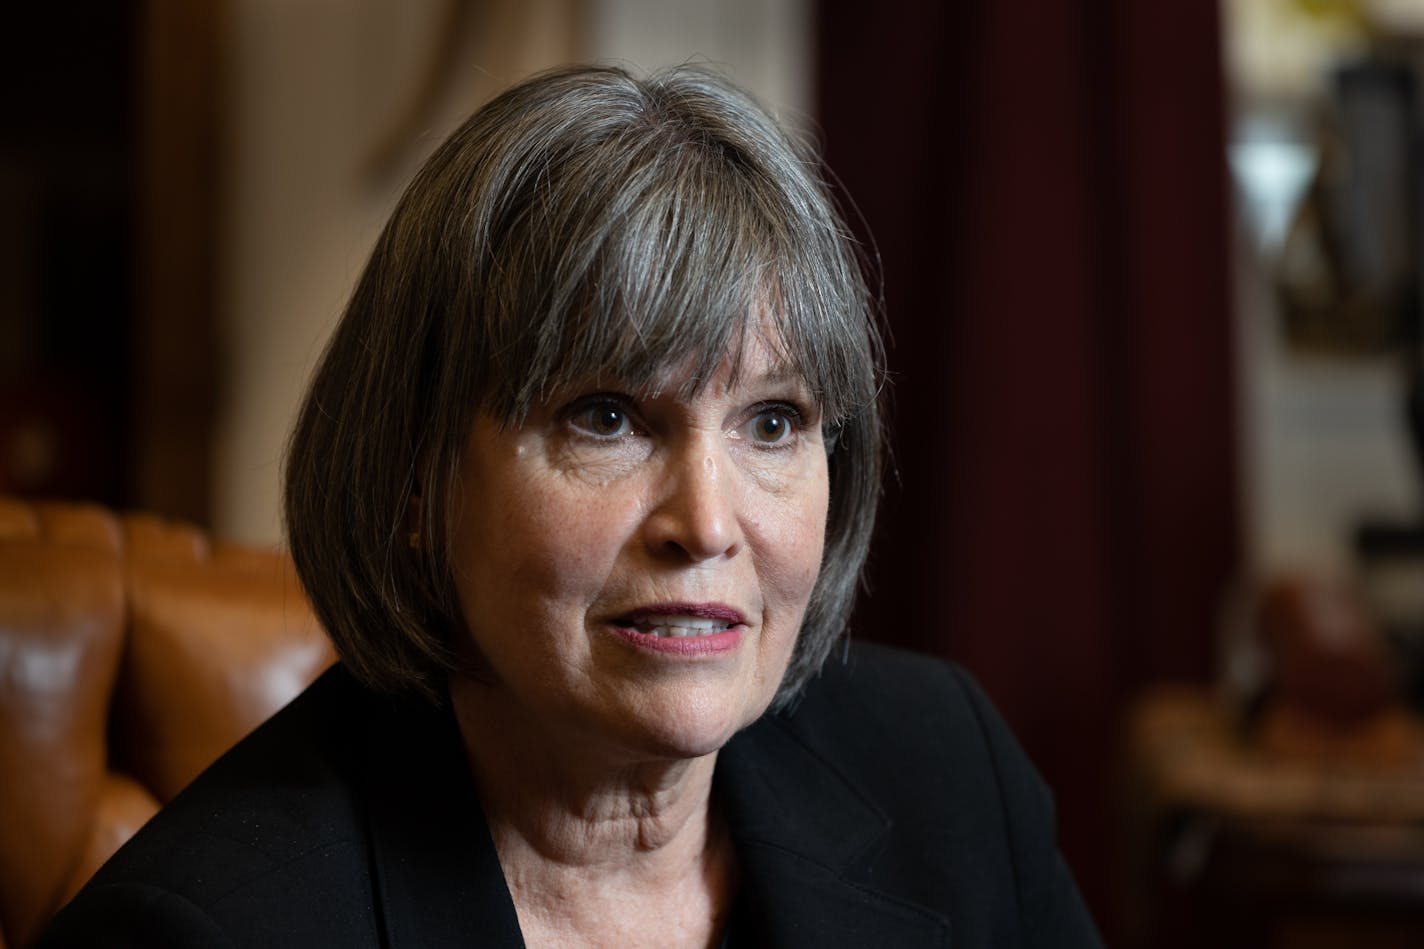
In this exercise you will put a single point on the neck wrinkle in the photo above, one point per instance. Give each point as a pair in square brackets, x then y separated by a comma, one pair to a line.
[566, 806]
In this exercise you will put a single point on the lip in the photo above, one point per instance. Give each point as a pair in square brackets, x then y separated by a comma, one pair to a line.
[624, 628]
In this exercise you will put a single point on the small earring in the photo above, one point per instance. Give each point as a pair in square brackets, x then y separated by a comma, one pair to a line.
[413, 540]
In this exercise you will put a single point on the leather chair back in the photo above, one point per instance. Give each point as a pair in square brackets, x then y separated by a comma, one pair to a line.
[133, 652]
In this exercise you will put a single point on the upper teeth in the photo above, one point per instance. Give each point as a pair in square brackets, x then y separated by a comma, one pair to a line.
[682, 625]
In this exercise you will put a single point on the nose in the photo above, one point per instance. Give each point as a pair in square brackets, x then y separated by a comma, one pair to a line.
[695, 518]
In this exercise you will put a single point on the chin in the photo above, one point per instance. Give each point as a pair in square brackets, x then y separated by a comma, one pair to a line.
[692, 729]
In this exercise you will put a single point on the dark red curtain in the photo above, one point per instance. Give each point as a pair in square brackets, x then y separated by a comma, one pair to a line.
[1046, 186]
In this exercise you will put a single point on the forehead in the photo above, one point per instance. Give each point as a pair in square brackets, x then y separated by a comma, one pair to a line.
[756, 358]
[759, 361]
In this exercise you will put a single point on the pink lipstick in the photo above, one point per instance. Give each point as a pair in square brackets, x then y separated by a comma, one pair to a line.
[681, 629]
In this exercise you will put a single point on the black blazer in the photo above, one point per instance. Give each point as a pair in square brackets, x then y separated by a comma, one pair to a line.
[890, 807]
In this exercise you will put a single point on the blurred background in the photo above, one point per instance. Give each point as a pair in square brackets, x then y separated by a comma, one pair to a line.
[1152, 274]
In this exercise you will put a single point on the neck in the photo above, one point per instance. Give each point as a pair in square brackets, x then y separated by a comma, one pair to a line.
[572, 800]
[580, 827]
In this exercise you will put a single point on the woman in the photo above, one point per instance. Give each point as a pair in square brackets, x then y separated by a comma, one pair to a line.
[581, 490]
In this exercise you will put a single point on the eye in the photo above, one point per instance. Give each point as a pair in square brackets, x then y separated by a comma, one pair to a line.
[603, 417]
[773, 425]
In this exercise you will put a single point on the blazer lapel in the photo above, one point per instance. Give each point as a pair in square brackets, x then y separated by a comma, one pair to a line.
[802, 830]
[437, 877]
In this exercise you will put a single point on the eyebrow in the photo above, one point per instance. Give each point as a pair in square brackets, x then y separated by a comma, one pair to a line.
[782, 372]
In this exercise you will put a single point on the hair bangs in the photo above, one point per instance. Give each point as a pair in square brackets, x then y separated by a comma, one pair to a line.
[691, 263]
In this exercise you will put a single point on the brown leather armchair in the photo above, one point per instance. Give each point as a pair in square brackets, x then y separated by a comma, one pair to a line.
[132, 653]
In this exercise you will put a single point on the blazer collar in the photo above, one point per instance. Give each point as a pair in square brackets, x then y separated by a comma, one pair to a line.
[802, 830]
[804, 835]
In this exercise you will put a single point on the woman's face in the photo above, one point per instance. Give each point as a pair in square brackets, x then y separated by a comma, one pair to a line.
[634, 569]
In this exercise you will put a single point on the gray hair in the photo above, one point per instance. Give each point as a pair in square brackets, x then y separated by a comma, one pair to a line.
[585, 223]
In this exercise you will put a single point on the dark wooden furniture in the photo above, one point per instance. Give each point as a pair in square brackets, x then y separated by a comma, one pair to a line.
[1228, 844]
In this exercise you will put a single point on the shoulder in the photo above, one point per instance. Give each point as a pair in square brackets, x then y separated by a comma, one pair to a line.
[921, 727]
[970, 825]
[877, 700]
[885, 674]
[277, 814]
[916, 741]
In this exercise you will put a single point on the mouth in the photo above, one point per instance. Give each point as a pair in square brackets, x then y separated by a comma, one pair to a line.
[681, 621]
[676, 627]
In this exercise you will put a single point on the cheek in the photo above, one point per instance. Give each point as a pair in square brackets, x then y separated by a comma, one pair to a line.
[528, 565]
[795, 532]
[810, 547]
[551, 537]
